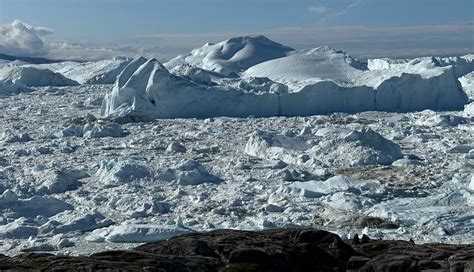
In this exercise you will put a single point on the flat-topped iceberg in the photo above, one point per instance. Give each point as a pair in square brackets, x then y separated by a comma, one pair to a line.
[319, 81]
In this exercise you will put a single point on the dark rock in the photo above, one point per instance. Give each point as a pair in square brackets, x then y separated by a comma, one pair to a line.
[427, 264]
[391, 262]
[356, 239]
[356, 262]
[110, 261]
[270, 250]
[462, 261]
[373, 222]
[406, 256]
[365, 239]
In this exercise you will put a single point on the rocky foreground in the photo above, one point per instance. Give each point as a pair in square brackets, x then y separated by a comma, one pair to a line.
[270, 250]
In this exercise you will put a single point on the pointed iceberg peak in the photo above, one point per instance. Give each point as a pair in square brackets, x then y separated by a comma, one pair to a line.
[128, 71]
[139, 70]
[139, 79]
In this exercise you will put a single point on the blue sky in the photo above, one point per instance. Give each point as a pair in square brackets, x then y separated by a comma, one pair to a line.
[111, 21]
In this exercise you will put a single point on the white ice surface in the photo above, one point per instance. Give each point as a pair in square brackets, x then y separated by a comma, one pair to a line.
[232, 56]
[137, 186]
[73, 183]
[306, 82]
[34, 77]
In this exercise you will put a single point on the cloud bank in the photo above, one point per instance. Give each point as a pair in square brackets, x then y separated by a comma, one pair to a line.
[359, 41]
[22, 39]
[19, 38]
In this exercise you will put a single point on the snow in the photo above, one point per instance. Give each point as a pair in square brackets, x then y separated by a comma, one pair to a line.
[94, 130]
[102, 130]
[57, 181]
[34, 77]
[467, 82]
[7, 88]
[175, 147]
[193, 73]
[92, 72]
[385, 63]
[469, 109]
[461, 65]
[321, 81]
[75, 182]
[337, 184]
[75, 220]
[232, 56]
[194, 173]
[315, 64]
[152, 92]
[135, 233]
[351, 148]
[243, 173]
[31, 207]
[18, 229]
[115, 171]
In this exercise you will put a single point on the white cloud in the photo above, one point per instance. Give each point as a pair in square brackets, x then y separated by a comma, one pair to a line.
[19, 38]
[318, 8]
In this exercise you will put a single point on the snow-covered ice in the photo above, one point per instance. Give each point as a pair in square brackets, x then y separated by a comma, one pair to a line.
[316, 81]
[393, 156]
[342, 147]
[34, 77]
[232, 56]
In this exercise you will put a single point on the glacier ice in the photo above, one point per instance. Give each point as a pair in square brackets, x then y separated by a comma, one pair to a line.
[321, 81]
[69, 177]
[232, 56]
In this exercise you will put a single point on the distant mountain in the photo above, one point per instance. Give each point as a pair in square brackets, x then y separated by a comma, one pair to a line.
[28, 59]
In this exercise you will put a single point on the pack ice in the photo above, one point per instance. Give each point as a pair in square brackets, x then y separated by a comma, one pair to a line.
[306, 82]
[74, 182]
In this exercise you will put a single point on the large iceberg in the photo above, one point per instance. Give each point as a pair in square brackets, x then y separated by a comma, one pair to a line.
[320, 81]
[333, 81]
[147, 90]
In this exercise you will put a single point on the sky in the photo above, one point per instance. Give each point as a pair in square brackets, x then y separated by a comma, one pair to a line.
[94, 29]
